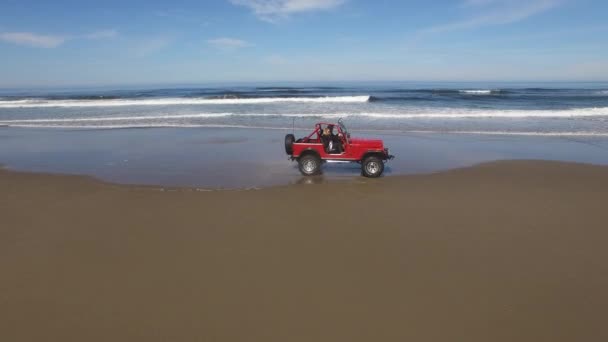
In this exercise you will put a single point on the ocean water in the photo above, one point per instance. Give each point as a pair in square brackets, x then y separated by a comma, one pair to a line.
[549, 109]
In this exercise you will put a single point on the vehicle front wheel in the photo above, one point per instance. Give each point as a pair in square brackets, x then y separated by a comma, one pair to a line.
[372, 167]
[310, 165]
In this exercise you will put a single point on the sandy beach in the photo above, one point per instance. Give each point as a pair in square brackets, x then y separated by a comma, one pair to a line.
[304, 171]
[503, 251]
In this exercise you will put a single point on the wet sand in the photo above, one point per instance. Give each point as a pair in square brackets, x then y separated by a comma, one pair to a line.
[505, 251]
[244, 158]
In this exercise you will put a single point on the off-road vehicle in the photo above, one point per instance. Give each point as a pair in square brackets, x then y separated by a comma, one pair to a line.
[332, 143]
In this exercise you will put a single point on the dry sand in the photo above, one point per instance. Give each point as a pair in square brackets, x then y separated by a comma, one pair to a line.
[506, 251]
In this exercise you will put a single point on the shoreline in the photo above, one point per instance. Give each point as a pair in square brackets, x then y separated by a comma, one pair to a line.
[305, 180]
[252, 158]
[504, 251]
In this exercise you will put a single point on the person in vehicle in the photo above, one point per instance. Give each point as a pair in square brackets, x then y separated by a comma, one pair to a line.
[336, 142]
[327, 140]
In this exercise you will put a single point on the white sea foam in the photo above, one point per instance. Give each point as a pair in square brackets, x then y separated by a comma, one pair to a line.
[36, 103]
[518, 133]
[602, 92]
[472, 114]
[445, 113]
[404, 132]
[123, 118]
[477, 92]
[143, 125]
[449, 113]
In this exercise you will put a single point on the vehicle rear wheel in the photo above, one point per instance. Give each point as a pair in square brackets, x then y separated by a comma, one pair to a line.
[310, 165]
[289, 140]
[372, 167]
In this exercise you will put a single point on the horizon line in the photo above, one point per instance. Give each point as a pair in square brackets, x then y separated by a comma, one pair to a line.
[228, 83]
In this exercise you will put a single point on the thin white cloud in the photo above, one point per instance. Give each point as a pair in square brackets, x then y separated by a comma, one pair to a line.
[228, 43]
[32, 39]
[183, 16]
[150, 46]
[478, 2]
[101, 34]
[496, 12]
[47, 41]
[271, 10]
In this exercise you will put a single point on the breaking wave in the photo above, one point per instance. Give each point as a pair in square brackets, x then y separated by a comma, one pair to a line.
[518, 133]
[122, 118]
[472, 114]
[445, 113]
[181, 125]
[39, 103]
[479, 92]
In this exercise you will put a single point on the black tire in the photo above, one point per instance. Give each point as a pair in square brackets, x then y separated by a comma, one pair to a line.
[289, 140]
[372, 167]
[309, 165]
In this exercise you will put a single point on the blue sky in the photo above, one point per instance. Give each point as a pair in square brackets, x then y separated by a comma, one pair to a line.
[60, 43]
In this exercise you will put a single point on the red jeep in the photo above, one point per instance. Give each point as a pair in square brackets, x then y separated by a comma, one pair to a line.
[332, 143]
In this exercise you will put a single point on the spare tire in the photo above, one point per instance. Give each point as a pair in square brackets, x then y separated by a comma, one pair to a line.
[289, 140]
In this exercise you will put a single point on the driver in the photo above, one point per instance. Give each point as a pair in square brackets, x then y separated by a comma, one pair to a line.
[336, 141]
